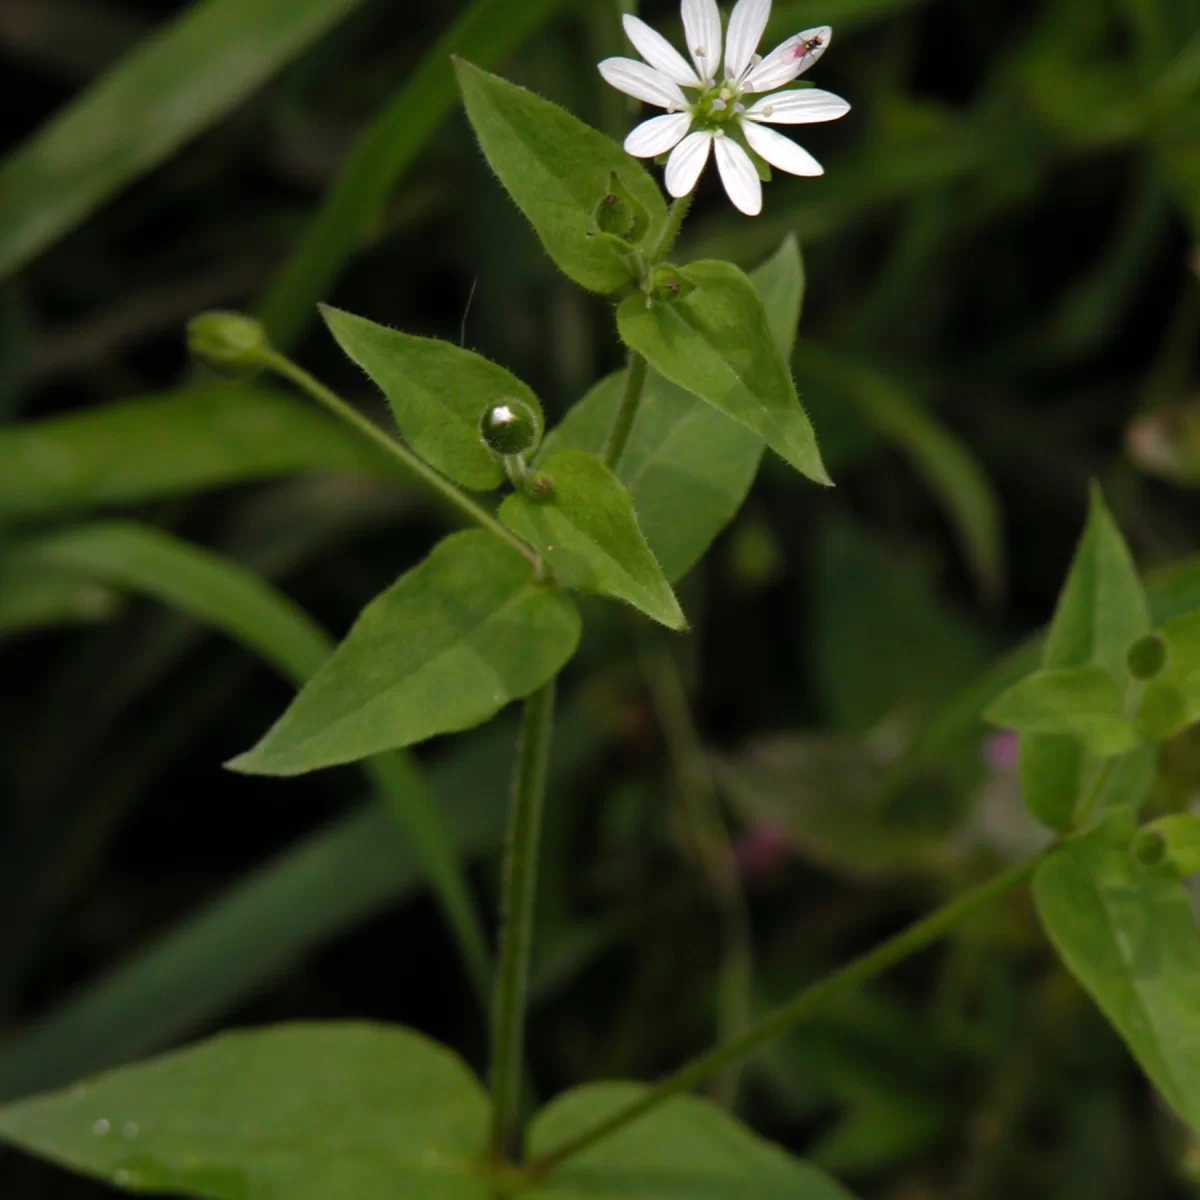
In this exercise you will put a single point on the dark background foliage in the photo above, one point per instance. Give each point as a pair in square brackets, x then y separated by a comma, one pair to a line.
[1000, 284]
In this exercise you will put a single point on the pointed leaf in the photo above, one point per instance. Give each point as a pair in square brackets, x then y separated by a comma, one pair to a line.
[688, 466]
[1082, 702]
[558, 171]
[1101, 612]
[311, 1112]
[717, 343]
[1128, 934]
[445, 648]
[586, 529]
[686, 1148]
[438, 394]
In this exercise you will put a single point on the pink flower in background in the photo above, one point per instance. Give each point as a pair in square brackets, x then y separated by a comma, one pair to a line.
[1000, 752]
[762, 851]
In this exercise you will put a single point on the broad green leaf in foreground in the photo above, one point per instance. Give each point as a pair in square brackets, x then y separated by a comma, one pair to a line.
[1080, 702]
[437, 392]
[1101, 612]
[172, 86]
[558, 171]
[687, 1148]
[310, 1112]
[1128, 934]
[688, 466]
[446, 647]
[586, 529]
[717, 342]
[205, 436]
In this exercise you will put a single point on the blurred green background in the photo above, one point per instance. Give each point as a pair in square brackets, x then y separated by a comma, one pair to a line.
[1002, 304]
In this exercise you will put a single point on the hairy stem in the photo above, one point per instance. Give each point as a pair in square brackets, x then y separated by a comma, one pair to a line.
[516, 913]
[666, 241]
[435, 482]
[811, 1000]
[635, 385]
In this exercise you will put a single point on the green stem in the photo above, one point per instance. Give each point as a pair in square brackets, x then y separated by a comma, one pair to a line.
[436, 483]
[635, 384]
[811, 1000]
[516, 934]
[679, 211]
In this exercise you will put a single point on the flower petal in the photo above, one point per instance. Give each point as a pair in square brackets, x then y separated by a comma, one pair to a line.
[739, 176]
[645, 83]
[780, 151]
[789, 60]
[702, 28]
[658, 135]
[687, 161]
[659, 53]
[805, 106]
[746, 26]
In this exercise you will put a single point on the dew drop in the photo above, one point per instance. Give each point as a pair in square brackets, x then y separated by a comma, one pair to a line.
[102, 1127]
[130, 1130]
[122, 1178]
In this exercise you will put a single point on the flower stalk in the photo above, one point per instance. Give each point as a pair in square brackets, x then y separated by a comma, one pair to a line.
[806, 1004]
[438, 484]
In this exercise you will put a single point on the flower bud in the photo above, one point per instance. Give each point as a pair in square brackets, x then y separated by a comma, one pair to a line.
[509, 427]
[620, 214]
[227, 339]
[1147, 657]
[668, 283]
[1171, 842]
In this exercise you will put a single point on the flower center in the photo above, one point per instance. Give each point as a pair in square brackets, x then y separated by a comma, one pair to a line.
[718, 107]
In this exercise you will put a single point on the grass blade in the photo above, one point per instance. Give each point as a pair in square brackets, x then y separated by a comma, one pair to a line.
[222, 594]
[486, 33]
[178, 82]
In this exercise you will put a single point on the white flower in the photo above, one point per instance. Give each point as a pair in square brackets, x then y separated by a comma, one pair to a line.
[712, 116]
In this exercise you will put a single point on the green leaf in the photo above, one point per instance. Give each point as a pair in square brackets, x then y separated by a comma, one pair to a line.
[1101, 612]
[1080, 702]
[438, 394]
[230, 598]
[175, 84]
[780, 283]
[311, 1112]
[486, 31]
[34, 597]
[717, 342]
[443, 649]
[686, 1148]
[558, 170]
[687, 466]
[168, 445]
[1128, 934]
[586, 530]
